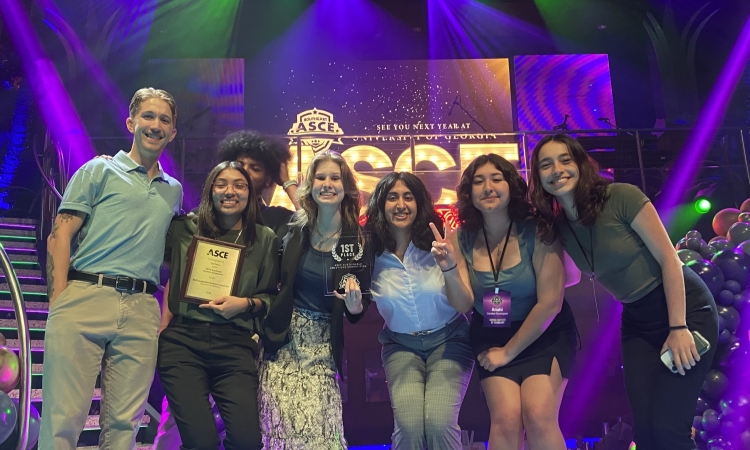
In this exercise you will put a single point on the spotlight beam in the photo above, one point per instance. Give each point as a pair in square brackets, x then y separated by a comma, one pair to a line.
[52, 99]
[692, 155]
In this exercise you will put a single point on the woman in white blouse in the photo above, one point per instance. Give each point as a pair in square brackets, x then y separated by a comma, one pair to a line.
[418, 290]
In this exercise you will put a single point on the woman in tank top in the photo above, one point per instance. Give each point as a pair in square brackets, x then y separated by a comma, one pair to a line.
[522, 331]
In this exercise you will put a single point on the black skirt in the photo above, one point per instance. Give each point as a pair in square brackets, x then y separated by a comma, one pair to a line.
[559, 340]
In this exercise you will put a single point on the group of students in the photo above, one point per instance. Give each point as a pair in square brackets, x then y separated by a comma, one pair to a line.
[504, 264]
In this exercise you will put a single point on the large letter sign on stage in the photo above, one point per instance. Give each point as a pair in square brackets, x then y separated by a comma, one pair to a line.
[316, 130]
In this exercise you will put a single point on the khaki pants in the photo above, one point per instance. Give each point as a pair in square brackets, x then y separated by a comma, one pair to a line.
[91, 327]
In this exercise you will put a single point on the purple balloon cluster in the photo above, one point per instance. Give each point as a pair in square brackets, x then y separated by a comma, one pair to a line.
[724, 426]
[722, 418]
[8, 419]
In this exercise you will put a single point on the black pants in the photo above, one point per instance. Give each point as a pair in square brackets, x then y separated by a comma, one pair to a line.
[197, 359]
[664, 403]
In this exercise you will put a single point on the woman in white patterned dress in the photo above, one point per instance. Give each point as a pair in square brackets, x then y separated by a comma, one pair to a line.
[299, 397]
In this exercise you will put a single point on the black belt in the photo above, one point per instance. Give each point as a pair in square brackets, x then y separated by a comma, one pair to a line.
[428, 332]
[122, 284]
[182, 320]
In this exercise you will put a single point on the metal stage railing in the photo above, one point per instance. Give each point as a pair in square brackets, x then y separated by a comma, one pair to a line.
[591, 137]
[641, 156]
[24, 346]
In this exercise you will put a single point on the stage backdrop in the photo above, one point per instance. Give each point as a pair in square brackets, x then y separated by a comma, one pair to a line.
[384, 97]
[367, 110]
[429, 117]
[326, 104]
[549, 87]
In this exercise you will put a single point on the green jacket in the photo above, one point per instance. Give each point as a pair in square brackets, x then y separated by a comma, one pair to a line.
[259, 276]
[276, 325]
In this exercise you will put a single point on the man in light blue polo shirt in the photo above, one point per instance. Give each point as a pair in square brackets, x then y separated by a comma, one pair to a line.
[115, 214]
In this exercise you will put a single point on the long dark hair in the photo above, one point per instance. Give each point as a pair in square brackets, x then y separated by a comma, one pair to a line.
[308, 214]
[207, 217]
[590, 192]
[377, 225]
[519, 208]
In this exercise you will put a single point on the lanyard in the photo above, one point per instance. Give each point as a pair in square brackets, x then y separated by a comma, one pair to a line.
[591, 263]
[496, 273]
[586, 256]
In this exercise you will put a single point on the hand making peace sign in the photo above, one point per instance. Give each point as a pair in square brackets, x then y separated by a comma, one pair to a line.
[442, 248]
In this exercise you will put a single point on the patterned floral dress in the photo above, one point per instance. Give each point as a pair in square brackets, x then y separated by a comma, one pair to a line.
[299, 397]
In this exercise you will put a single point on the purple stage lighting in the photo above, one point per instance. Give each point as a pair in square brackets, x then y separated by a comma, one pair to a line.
[472, 29]
[51, 97]
[18, 135]
[118, 103]
[703, 133]
[589, 380]
[550, 86]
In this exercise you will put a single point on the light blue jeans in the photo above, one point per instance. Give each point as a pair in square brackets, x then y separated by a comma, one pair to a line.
[427, 380]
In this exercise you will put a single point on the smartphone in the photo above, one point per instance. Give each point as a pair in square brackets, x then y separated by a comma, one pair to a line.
[701, 344]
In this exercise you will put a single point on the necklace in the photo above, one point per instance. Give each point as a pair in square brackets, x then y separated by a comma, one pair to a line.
[238, 235]
[591, 262]
[324, 239]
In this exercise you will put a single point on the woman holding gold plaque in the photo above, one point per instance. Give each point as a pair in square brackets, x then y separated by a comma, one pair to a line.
[224, 275]
[300, 401]
[426, 351]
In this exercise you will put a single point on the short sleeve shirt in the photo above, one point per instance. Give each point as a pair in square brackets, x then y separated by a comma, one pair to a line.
[624, 265]
[128, 215]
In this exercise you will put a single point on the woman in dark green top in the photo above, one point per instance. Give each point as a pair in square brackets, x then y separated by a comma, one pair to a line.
[613, 233]
[209, 348]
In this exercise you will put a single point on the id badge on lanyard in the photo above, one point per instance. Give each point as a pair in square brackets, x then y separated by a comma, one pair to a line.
[496, 308]
[496, 302]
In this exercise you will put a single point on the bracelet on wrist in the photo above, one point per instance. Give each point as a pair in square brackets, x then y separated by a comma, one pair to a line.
[448, 270]
[678, 327]
[250, 304]
[286, 184]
